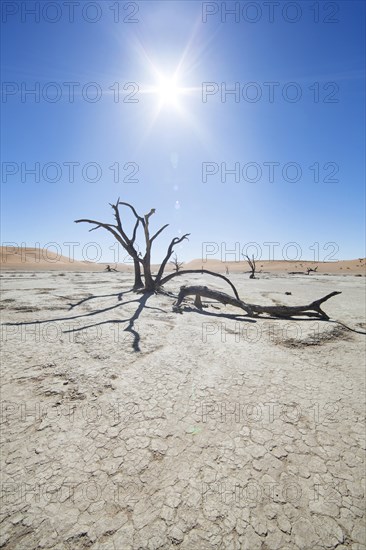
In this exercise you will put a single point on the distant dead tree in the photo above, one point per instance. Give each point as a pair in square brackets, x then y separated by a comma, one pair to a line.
[110, 269]
[252, 265]
[177, 265]
[310, 269]
[227, 270]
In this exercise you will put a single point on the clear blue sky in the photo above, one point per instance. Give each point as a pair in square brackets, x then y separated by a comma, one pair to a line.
[169, 138]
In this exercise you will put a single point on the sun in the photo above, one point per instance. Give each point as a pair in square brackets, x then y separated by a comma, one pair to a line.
[168, 90]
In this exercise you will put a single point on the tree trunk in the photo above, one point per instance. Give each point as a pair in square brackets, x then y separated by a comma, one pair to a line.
[138, 279]
[150, 284]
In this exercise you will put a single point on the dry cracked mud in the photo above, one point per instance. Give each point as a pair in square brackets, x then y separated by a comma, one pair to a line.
[200, 431]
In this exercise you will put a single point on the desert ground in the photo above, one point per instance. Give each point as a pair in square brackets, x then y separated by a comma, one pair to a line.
[127, 426]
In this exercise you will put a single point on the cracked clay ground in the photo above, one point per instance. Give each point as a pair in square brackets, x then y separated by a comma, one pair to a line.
[194, 431]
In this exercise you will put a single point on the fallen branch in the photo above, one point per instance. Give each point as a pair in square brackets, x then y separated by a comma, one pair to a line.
[199, 272]
[311, 310]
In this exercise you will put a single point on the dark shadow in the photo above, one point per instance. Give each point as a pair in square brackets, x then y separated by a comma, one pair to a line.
[93, 297]
[295, 317]
[347, 327]
[232, 316]
[264, 317]
[131, 320]
[89, 314]
[141, 304]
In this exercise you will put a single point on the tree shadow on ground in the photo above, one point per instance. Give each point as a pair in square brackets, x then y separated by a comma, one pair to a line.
[249, 319]
[231, 316]
[131, 328]
[141, 301]
[94, 297]
[131, 320]
[265, 317]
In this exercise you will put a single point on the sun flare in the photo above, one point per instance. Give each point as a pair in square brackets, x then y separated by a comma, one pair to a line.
[168, 91]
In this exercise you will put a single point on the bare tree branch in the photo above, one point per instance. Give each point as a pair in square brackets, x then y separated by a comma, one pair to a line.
[173, 243]
[199, 271]
[121, 237]
[135, 231]
[147, 216]
[119, 223]
[106, 226]
[132, 208]
[158, 233]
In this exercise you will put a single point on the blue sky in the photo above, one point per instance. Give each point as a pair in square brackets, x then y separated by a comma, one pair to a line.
[169, 142]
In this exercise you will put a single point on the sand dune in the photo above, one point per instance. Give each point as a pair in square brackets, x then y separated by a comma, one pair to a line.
[33, 259]
[36, 259]
[341, 266]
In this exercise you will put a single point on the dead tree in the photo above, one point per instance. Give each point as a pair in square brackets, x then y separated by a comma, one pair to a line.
[310, 269]
[177, 265]
[129, 244]
[152, 284]
[311, 310]
[110, 269]
[252, 266]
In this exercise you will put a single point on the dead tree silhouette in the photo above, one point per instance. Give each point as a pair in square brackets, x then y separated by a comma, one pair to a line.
[252, 265]
[128, 243]
[150, 284]
[177, 265]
